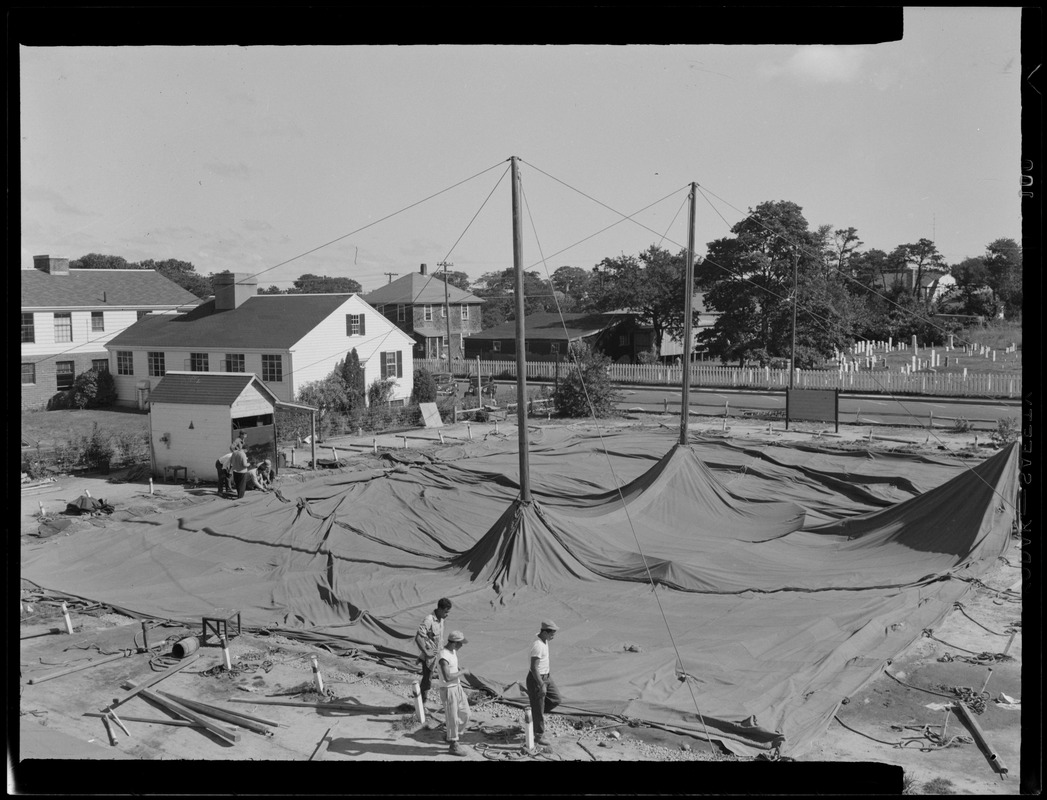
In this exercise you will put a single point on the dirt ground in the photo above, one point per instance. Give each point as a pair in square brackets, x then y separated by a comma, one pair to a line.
[897, 719]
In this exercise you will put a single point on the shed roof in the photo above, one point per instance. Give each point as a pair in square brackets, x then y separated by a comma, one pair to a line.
[551, 327]
[206, 388]
[263, 321]
[99, 288]
[418, 288]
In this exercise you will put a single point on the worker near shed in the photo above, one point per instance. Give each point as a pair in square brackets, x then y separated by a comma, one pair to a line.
[224, 474]
[430, 639]
[541, 691]
[456, 704]
[239, 466]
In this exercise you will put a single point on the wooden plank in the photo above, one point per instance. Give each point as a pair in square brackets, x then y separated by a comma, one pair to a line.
[68, 670]
[181, 723]
[218, 713]
[192, 716]
[318, 746]
[185, 662]
[331, 706]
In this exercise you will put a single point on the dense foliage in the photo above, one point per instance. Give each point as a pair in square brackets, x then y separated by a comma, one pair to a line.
[586, 390]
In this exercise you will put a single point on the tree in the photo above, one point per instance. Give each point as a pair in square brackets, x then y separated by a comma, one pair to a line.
[749, 279]
[867, 268]
[573, 282]
[499, 291]
[99, 261]
[969, 296]
[316, 284]
[455, 278]
[586, 390]
[844, 246]
[183, 273]
[424, 386]
[325, 395]
[273, 289]
[1003, 264]
[351, 374]
[650, 285]
[919, 257]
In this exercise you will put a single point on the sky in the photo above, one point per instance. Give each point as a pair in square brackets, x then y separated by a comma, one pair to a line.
[359, 161]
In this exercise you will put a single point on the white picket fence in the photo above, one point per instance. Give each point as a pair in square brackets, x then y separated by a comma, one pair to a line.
[882, 381]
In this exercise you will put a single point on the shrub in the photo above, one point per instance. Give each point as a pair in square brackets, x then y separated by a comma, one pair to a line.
[379, 392]
[94, 389]
[61, 400]
[961, 425]
[586, 389]
[96, 449]
[424, 386]
[133, 446]
[1006, 432]
[352, 376]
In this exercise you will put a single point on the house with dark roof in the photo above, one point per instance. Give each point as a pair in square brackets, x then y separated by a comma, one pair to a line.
[933, 283]
[418, 305]
[287, 340]
[69, 315]
[548, 337]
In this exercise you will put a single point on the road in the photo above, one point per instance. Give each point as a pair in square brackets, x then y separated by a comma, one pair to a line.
[982, 414]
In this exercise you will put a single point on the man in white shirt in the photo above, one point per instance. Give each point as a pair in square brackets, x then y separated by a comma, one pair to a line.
[456, 704]
[541, 690]
[224, 474]
[429, 639]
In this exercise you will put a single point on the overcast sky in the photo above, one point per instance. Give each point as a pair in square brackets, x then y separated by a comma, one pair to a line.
[279, 161]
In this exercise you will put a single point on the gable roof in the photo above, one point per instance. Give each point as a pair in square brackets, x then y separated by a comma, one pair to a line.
[550, 327]
[205, 388]
[264, 321]
[418, 288]
[101, 288]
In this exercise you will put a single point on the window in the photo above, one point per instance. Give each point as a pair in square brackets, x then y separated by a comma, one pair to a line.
[623, 340]
[28, 373]
[354, 325]
[97, 321]
[496, 346]
[272, 368]
[443, 312]
[392, 364]
[156, 364]
[63, 327]
[124, 363]
[198, 362]
[28, 328]
[64, 374]
[234, 362]
[380, 309]
[100, 364]
[465, 311]
[401, 312]
[427, 312]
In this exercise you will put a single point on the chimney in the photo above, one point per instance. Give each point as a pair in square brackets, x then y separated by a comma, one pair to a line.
[52, 265]
[423, 268]
[230, 290]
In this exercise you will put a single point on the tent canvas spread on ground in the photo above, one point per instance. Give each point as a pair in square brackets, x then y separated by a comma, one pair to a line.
[787, 577]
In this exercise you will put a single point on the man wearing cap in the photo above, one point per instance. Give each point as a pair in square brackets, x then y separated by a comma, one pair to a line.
[456, 704]
[430, 641]
[541, 690]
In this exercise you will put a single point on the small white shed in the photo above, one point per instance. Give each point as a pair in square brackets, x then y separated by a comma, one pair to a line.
[194, 417]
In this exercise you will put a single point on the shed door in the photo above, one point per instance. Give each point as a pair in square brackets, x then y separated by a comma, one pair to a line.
[260, 431]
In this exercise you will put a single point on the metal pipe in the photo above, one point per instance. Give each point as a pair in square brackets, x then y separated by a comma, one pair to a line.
[685, 389]
[521, 343]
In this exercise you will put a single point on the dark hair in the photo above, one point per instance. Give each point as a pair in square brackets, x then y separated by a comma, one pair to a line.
[444, 603]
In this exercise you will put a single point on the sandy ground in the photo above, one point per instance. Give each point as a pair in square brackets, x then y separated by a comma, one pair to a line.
[897, 719]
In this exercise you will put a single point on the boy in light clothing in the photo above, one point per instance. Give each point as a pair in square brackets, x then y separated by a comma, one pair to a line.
[456, 704]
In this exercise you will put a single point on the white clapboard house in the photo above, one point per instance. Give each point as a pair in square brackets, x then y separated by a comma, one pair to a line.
[287, 340]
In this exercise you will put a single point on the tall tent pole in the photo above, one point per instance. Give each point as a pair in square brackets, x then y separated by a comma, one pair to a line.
[792, 349]
[688, 336]
[447, 315]
[521, 354]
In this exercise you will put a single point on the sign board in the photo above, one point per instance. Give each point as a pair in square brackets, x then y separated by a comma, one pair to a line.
[812, 405]
[431, 415]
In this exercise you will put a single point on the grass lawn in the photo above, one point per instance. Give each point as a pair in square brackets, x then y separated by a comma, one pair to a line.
[48, 428]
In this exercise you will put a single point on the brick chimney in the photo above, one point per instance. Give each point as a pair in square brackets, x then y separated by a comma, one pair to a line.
[422, 269]
[230, 290]
[52, 265]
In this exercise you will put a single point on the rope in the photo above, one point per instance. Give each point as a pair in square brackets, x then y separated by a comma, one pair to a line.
[937, 742]
[958, 605]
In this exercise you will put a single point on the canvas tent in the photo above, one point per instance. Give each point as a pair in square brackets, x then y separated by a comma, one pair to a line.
[778, 610]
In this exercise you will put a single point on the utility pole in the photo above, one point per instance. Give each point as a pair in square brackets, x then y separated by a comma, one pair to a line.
[391, 276]
[521, 345]
[792, 351]
[688, 336]
[447, 314]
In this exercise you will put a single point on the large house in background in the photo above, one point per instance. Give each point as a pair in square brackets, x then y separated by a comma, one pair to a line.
[69, 315]
[416, 304]
[933, 284]
[548, 336]
[287, 340]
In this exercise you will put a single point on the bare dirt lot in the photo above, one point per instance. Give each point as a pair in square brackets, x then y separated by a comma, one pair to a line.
[366, 710]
